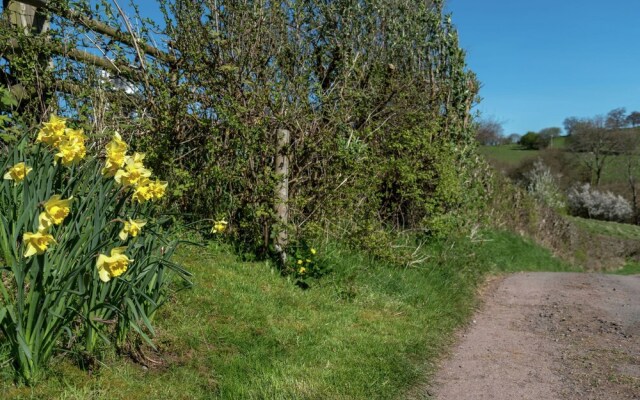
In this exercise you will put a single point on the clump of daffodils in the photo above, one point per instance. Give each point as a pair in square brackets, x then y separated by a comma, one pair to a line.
[70, 143]
[72, 224]
[127, 170]
[130, 171]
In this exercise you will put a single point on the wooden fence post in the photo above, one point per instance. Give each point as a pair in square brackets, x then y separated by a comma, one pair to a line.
[281, 206]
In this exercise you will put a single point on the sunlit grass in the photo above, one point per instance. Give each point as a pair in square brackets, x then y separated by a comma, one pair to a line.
[367, 330]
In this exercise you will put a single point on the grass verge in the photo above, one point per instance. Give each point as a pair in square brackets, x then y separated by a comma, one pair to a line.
[367, 330]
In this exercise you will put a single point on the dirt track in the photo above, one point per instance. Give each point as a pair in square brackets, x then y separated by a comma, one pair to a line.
[549, 336]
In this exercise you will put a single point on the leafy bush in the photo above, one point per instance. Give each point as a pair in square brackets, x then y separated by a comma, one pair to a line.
[83, 256]
[541, 184]
[534, 141]
[584, 201]
[377, 108]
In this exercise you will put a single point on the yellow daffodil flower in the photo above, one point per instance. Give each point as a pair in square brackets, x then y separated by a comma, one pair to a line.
[134, 171]
[70, 151]
[219, 226]
[131, 227]
[18, 172]
[158, 189]
[75, 135]
[55, 211]
[143, 192]
[113, 265]
[53, 132]
[37, 242]
[116, 153]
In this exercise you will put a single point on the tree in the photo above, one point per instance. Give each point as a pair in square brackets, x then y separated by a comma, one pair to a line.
[570, 124]
[597, 142]
[630, 148]
[633, 119]
[489, 132]
[529, 141]
[514, 138]
[546, 135]
[616, 118]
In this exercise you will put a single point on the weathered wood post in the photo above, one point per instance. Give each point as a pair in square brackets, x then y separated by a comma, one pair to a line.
[25, 15]
[281, 206]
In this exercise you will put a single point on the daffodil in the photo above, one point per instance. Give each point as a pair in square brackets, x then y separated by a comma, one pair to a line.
[55, 211]
[131, 227]
[134, 171]
[219, 226]
[116, 153]
[18, 172]
[143, 192]
[37, 242]
[70, 151]
[113, 265]
[74, 135]
[53, 132]
[158, 188]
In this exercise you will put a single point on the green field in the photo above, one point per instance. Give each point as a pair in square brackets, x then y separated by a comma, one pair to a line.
[607, 228]
[512, 155]
[367, 330]
[509, 154]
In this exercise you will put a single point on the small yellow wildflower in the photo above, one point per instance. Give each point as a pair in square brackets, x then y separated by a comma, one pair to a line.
[18, 172]
[131, 227]
[114, 265]
[302, 270]
[53, 132]
[300, 262]
[219, 226]
[313, 251]
[37, 242]
[55, 211]
[308, 261]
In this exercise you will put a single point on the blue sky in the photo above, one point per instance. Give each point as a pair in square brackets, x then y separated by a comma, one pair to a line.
[542, 61]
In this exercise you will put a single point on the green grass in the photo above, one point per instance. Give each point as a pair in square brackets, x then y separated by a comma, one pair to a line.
[513, 154]
[509, 154]
[630, 268]
[607, 228]
[367, 330]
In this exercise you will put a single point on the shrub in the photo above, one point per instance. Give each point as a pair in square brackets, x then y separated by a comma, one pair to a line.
[541, 184]
[82, 253]
[584, 201]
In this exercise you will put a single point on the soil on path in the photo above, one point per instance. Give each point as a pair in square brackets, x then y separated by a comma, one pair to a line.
[549, 336]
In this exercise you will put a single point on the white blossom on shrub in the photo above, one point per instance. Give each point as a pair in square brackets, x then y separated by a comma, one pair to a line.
[584, 201]
[542, 185]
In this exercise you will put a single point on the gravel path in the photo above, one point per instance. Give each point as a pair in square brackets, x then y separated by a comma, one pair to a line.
[549, 336]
